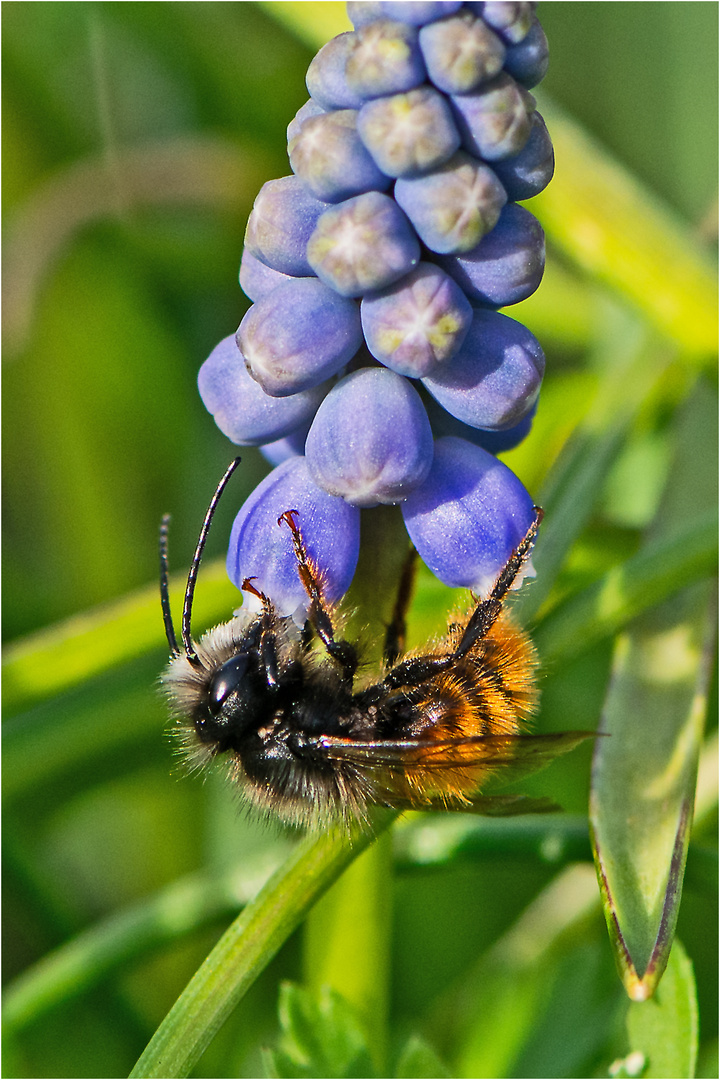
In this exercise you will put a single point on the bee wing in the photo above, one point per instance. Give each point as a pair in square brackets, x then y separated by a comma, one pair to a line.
[490, 805]
[513, 755]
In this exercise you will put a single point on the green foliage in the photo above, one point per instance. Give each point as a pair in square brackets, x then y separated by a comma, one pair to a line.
[136, 137]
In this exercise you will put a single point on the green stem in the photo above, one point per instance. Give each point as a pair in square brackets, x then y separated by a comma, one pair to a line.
[248, 946]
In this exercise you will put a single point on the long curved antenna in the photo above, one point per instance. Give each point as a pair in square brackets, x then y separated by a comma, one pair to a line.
[164, 591]
[195, 564]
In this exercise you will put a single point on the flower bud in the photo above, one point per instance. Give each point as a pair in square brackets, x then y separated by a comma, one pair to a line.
[494, 379]
[529, 172]
[507, 265]
[370, 441]
[408, 134]
[461, 53]
[363, 244]
[299, 335]
[384, 58]
[494, 122]
[281, 223]
[468, 517]
[455, 205]
[262, 549]
[242, 410]
[331, 160]
[418, 323]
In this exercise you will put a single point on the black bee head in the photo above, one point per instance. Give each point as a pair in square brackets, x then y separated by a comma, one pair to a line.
[234, 703]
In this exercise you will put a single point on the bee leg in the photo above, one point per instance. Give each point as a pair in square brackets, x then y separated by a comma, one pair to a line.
[268, 652]
[396, 631]
[319, 616]
[487, 611]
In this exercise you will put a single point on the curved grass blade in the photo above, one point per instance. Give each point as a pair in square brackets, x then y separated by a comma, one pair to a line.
[655, 573]
[68, 653]
[73, 968]
[644, 782]
[249, 945]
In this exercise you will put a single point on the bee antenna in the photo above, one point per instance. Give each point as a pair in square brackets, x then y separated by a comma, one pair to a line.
[164, 590]
[195, 564]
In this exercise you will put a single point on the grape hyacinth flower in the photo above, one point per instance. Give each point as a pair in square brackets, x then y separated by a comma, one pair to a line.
[374, 366]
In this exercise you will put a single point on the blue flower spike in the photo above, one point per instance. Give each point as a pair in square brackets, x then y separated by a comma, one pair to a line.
[374, 366]
[370, 441]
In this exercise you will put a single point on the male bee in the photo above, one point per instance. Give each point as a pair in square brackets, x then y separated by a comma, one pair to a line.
[280, 703]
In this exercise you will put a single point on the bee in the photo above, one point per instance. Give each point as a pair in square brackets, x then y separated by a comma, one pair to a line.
[279, 703]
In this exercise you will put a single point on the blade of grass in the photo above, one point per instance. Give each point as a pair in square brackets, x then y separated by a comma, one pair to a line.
[641, 582]
[185, 906]
[248, 946]
[643, 785]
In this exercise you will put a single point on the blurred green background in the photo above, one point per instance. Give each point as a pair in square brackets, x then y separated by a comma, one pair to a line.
[135, 139]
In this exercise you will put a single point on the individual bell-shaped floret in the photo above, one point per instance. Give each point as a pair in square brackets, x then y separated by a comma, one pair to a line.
[529, 172]
[328, 155]
[257, 279]
[511, 20]
[495, 442]
[415, 12]
[241, 408]
[326, 80]
[384, 58]
[418, 323]
[261, 546]
[408, 134]
[494, 121]
[461, 53]
[370, 441]
[468, 517]
[507, 265]
[494, 379]
[454, 206]
[281, 222]
[363, 244]
[299, 335]
[527, 61]
[305, 112]
[292, 445]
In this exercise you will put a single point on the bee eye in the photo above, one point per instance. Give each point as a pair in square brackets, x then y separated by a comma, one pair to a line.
[227, 678]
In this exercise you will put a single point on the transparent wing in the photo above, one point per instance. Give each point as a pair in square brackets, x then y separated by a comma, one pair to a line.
[424, 772]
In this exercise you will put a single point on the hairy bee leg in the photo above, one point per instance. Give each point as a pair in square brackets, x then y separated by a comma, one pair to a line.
[487, 611]
[319, 616]
[268, 651]
[397, 628]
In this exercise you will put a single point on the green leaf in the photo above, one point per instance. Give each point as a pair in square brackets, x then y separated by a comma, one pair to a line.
[643, 785]
[418, 1059]
[664, 1031]
[322, 1036]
